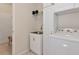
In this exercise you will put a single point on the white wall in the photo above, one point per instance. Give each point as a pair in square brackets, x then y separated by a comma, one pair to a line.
[5, 21]
[69, 20]
[39, 17]
[25, 23]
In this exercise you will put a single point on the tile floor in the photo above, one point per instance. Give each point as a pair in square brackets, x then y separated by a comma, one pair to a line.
[30, 53]
[5, 49]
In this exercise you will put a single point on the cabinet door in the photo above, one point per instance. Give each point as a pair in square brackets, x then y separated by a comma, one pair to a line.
[36, 43]
[72, 47]
[76, 5]
[32, 40]
[54, 47]
[63, 6]
[57, 46]
[64, 47]
[47, 46]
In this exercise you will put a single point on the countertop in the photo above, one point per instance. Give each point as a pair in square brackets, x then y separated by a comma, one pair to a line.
[67, 36]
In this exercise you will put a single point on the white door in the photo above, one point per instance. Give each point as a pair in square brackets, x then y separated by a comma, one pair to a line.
[63, 6]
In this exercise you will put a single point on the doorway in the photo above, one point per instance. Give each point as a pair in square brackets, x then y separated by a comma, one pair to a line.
[5, 28]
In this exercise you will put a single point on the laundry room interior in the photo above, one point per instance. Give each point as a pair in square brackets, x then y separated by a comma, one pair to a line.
[39, 28]
[48, 29]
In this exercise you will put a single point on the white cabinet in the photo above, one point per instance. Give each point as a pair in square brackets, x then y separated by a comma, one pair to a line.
[36, 43]
[48, 20]
[76, 5]
[48, 25]
[53, 45]
[58, 46]
[63, 6]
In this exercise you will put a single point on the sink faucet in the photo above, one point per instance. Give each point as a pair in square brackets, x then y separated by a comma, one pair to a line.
[41, 27]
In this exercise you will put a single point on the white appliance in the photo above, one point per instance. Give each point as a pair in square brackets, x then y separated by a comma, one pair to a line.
[36, 43]
[62, 43]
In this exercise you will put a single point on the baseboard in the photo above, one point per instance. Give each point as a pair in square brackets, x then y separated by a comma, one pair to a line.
[23, 52]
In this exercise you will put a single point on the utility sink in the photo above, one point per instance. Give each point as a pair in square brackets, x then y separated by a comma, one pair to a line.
[36, 39]
[38, 32]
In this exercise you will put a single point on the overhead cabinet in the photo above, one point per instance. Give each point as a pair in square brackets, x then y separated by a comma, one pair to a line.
[49, 14]
[48, 5]
[63, 6]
